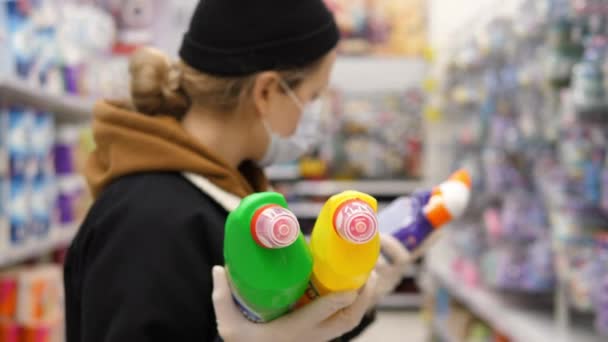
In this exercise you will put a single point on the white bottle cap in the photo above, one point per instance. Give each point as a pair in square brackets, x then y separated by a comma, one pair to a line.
[274, 227]
[356, 222]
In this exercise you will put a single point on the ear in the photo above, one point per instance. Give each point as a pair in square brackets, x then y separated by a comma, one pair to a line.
[265, 87]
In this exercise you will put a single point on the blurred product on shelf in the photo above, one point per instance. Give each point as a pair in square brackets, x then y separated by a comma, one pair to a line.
[565, 52]
[588, 84]
[134, 22]
[374, 136]
[74, 47]
[366, 136]
[537, 142]
[34, 180]
[70, 152]
[376, 26]
[31, 304]
[455, 322]
[600, 284]
[267, 258]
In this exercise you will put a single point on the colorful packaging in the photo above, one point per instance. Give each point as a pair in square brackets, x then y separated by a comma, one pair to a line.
[18, 143]
[6, 56]
[42, 141]
[40, 295]
[267, 259]
[8, 296]
[19, 211]
[345, 244]
[10, 331]
[604, 201]
[427, 211]
[70, 205]
[65, 150]
[42, 206]
[4, 163]
[373, 135]
[21, 31]
[4, 214]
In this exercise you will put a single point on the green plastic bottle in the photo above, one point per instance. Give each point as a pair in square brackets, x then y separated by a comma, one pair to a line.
[267, 258]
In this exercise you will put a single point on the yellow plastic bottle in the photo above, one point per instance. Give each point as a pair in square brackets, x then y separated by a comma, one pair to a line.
[345, 244]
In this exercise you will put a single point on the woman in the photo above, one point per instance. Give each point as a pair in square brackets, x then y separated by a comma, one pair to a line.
[175, 159]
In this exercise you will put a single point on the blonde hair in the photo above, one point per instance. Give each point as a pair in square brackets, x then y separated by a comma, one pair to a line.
[160, 86]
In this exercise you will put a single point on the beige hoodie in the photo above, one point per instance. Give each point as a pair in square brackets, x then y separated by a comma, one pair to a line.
[128, 142]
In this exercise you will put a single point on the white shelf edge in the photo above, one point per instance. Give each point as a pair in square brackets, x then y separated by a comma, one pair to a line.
[401, 301]
[59, 237]
[311, 210]
[372, 187]
[283, 173]
[520, 324]
[65, 107]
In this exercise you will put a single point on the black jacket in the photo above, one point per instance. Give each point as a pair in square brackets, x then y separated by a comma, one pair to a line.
[140, 267]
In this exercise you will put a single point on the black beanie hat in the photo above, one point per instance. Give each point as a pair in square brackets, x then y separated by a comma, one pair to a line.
[241, 37]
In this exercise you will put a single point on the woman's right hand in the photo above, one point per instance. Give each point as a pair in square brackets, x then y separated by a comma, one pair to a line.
[324, 319]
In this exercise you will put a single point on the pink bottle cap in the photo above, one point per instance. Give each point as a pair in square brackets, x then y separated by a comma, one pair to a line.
[274, 227]
[356, 221]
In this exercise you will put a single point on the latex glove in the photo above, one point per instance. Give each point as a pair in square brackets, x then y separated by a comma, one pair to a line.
[390, 273]
[324, 319]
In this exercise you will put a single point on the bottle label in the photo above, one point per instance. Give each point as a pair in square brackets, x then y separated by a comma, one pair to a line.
[249, 313]
[414, 235]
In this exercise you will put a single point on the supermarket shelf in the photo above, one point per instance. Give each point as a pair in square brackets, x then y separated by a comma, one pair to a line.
[306, 210]
[375, 188]
[311, 210]
[65, 107]
[401, 301]
[61, 237]
[441, 331]
[283, 173]
[520, 324]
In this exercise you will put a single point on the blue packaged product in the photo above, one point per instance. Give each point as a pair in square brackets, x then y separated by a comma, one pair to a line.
[21, 30]
[3, 143]
[18, 144]
[19, 211]
[4, 232]
[42, 141]
[7, 62]
[42, 206]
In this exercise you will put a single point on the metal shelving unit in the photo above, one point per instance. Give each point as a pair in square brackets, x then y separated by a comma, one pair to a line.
[60, 238]
[311, 210]
[401, 301]
[521, 324]
[377, 188]
[66, 107]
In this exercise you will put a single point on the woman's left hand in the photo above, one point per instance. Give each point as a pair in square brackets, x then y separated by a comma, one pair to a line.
[391, 266]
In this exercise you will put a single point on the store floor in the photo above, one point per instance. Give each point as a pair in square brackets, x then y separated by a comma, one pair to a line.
[396, 326]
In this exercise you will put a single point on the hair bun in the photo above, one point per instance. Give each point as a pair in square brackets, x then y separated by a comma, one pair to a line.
[156, 84]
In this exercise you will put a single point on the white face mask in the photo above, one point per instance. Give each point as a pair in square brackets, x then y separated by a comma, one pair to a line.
[288, 149]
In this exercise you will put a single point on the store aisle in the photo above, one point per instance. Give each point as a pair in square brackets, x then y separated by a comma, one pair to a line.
[396, 326]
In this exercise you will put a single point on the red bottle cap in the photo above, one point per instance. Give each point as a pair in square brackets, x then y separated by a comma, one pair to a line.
[274, 227]
[356, 221]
